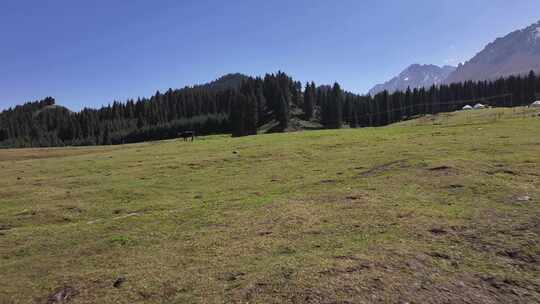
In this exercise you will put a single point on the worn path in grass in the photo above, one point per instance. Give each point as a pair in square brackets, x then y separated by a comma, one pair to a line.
[437, 210]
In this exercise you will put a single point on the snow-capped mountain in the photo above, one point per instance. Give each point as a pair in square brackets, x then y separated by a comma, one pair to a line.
[515, 53]
[415, 76]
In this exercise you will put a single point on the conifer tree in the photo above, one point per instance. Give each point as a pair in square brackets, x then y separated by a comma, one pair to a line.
[309, 101]
[283, 111]
[237, 115]
[106, 136]
[261, 106]
[251, 112]
[336, 106]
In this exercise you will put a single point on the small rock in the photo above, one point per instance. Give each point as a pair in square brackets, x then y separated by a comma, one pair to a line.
[119, 282]
[524, 198]
[235, 152]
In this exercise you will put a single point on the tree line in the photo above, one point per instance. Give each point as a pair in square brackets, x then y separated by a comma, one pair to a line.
[241, 106]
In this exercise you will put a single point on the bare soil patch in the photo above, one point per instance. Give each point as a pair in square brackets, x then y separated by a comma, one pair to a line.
[62, 295]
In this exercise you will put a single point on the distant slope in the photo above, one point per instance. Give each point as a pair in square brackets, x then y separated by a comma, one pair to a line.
[515, 53]
[228, 81]
[415, 76]
[46, 105]
[50, 108]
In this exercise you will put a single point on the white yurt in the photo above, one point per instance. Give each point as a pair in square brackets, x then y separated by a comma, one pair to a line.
[479, 106]
[535, 104]
[467, 107]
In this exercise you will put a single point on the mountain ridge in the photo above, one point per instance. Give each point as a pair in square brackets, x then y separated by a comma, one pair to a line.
[516, 53]
[414, 76]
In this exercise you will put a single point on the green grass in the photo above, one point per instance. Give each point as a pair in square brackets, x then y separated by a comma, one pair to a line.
[428, 210]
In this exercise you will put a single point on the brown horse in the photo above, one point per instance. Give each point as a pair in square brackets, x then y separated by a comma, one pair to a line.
[186, 135]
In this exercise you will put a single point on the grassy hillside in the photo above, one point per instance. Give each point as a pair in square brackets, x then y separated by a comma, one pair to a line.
[436, 210]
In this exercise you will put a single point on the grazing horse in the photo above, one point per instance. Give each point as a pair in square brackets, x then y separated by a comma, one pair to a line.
[186, 135]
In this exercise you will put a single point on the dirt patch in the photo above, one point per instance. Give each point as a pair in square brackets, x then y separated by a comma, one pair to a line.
[383, 167]
[439, 255]
[354, 197]
[254, 291]
[329, 181]
[502, 171]
[168, 290]
[513, 288]
[145, 295]
[438, 231]
[285, 250]
[313, 296]
[405, 215]
[440, 168]
[515, 245]
[363, 266]
[396, 279]
[346, 257]
[62, 295]
[231, 276]
[520, 256]
[418, 264]
[74, 209]
[443, 170]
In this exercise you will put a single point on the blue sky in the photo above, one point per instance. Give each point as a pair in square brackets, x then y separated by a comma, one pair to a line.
[89, 53]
